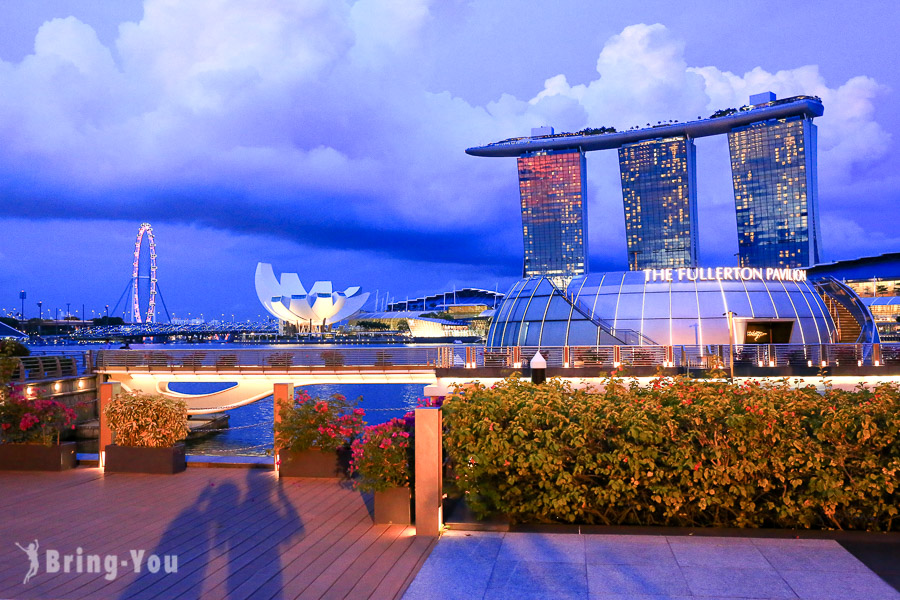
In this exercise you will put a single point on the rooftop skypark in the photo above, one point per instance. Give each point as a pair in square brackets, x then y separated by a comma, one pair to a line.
[605, 138]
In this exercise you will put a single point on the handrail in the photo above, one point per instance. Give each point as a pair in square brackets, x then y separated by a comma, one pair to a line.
[393, 358]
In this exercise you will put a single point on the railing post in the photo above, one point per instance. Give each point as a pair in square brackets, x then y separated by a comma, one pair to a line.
[876, 355]
[108, 391]
[516, 357]
[429, 472]
[282, 393]
[566, 357]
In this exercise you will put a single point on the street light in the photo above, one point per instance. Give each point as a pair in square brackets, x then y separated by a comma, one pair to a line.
[22, 295]
[40, 315]
[107, 315]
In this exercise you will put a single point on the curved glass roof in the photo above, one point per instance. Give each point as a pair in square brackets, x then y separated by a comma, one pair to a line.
[623, 308]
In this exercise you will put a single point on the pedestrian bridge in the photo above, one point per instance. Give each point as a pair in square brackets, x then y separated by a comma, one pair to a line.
[251, 373]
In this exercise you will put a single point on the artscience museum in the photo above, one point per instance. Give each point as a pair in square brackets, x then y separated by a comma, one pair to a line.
[684, 306]
[287, 300]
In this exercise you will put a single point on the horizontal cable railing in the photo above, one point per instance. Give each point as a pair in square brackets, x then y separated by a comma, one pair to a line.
[709, 356]
[268, 360]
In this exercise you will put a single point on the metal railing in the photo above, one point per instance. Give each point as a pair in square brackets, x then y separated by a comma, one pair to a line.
[698, 357]
[459, 356]
[51, 366]
[264, 360]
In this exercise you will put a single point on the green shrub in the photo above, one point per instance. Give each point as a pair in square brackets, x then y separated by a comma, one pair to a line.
[681, 452]
[150, 421]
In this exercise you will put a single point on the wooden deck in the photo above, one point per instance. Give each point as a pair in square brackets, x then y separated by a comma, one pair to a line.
[238, 533]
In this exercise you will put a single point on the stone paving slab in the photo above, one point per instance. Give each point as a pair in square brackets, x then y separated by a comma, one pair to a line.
[532, 566]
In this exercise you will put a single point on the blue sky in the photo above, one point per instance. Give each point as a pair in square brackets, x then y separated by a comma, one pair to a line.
[328, 137]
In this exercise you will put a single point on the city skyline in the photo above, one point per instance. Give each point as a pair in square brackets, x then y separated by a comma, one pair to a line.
[346, 153]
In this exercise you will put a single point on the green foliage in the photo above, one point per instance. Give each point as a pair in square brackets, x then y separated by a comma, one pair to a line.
[314, 423]
[681, 452]
[723, 112]
[372, 325]
[149, 421]
[380, 457]
[33, 420]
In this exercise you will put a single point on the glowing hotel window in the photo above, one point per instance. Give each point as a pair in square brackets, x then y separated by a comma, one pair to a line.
[554, 212]
[659, 195]
[773, 166]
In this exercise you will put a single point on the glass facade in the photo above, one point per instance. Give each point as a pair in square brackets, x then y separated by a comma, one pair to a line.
[554, 214]
[625, 308]
[773, 167]
[659, 195]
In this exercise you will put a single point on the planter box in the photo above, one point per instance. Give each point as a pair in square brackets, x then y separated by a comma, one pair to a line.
[392, 506]
[37, 457]
[309, 463]
[134, 459]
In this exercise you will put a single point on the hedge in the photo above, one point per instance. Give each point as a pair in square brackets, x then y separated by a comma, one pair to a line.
[680, 452]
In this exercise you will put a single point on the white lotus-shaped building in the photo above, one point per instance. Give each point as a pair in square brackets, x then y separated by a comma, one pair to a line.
[289, 301]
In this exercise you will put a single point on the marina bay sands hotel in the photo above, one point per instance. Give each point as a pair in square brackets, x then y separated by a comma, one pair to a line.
[773, 165]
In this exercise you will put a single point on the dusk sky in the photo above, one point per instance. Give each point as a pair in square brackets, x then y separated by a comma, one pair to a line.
[327, 137]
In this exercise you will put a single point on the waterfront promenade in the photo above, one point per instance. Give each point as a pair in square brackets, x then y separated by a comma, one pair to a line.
[238, 533]
[242, 533]
[595, 566]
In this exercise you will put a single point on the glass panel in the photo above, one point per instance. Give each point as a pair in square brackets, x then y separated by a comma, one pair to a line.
[582, 333]
[657, 330]
[762, 305]
[737, 302]
[530, 332]
[684, 304]
[536, 308]
[606, 306]
[711, 304]
[511, 335]
[685, 331]
[802, 307]
[519, 310]
[554, 333]
[656, 304]
[629, 307]
[559, 309]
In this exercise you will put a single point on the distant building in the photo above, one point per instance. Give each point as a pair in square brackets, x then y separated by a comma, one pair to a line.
[464, 301]
[552, 190]
[659, 192]
[773, 156]
[316, 310]
[773, 166]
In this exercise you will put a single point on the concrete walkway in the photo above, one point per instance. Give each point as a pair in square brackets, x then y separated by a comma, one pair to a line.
[530, 566]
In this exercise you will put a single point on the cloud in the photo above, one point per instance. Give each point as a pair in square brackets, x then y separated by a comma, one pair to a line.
[309, 121]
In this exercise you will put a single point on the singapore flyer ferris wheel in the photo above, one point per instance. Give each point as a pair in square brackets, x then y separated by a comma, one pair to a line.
[136, 277]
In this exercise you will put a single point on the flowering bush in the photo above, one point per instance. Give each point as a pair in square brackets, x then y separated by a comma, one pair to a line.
[149, 421]
[380, 457]
[314, 423]
[680, 452]
[33, 420]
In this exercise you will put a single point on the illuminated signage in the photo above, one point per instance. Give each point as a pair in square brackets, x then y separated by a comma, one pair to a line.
[724, 274]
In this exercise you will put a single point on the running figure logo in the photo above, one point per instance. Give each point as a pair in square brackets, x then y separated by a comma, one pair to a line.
[32, 552]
